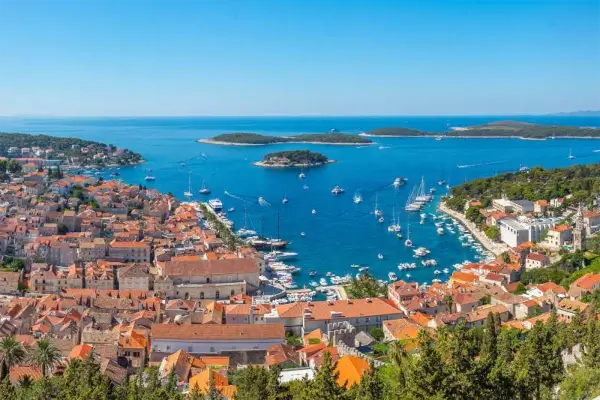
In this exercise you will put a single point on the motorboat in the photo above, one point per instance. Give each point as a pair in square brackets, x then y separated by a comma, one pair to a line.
[440, 231]
[337, 190]
[231, 209]
[150, 178]
[421, 252]
[302, 234]
[354, 266]
[301, 175]
[363, 269]
[437, 272]
[398, 182]
[392, 276]
[357, 199]
[524, 168]
[312, 273]
[407, 276]
[380, 256]
[446, 271]
[261, 200]
[329, 274]
[381, 220]
[314, 211]
[280, 255]
[243, 232]
[399, 235]
[441, 182]
[215, 204]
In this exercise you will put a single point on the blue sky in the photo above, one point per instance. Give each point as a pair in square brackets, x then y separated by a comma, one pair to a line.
[298, 57]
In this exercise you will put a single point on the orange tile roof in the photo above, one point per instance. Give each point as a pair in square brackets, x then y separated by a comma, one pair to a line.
[355, 308]
[350, 370]
[545, 287]
[588, 281]
[402, 329]
[217, 332]
[81, 351]
[463, 277]
[18, 372]
[202, 380]
[561, 228]
[316, 334]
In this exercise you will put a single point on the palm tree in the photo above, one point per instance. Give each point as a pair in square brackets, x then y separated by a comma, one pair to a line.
[44, 354]
[11, 353]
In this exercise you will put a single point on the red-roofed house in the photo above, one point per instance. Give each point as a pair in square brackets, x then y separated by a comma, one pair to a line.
[584, 285]
[536, 260]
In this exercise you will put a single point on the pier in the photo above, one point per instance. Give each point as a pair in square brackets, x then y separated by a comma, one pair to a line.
[495, 247]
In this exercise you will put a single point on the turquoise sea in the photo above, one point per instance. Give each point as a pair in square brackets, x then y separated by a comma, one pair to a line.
[341, 233]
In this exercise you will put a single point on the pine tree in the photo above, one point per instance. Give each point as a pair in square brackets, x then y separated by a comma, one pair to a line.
[212, 393]
[324, 385]
[461, 379]
[370, 386]
[195, 394]
[591, 341]
[500, 377]
[252, 384]
[427, 380]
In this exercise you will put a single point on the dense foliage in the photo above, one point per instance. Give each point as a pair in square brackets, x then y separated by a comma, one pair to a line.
[365, 286]
[580, 181]
[292, 157]
[499, 128]
[255, 138]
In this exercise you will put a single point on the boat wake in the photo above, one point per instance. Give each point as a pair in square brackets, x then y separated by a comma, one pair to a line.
[480, 164]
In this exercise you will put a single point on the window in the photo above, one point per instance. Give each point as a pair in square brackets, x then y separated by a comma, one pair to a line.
[212, 349]
[217, 294]
[168, 347]
[232, 292]
[201, 295]
[207, 280]
[190, 349]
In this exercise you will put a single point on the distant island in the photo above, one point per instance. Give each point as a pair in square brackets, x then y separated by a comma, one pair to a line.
[255, 139]
[583, 113]
[499, 129]
[293, 159]
[65, 150]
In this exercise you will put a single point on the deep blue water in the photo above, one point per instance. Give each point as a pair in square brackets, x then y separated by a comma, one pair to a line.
[341, 233]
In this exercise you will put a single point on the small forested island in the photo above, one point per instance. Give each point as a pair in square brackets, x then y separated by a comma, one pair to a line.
[255, 139]
[499, 129]
[65, 150]
[293, 158]
[581, 182]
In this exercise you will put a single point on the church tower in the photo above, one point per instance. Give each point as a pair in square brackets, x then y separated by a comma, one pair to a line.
[578, 230]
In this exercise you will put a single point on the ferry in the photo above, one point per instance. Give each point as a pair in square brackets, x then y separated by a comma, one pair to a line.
[215, 204]
[150, 178]
[337, 190]
[393, 277]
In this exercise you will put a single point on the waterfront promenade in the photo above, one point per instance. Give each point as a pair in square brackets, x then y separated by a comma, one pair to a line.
[495, 247]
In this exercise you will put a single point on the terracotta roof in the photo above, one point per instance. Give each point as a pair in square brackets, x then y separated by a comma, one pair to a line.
[217, 332]
[316, 334]
[322, 310]
[561, 228]
[292, 310]
[572, 305]
[244, 309]
[536, 257]
[463, 277]
[482, 312]
[402, 329]
[18, 372]
[350, 370]
[202, 380]
[281, 353]
[81, 351]
[545, 287]
[217, 267]
[588, 281]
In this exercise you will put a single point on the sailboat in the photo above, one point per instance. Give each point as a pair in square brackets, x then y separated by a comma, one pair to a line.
[408, 242]
[204, 189]
[394, 227]
[188, 193]
[411, 204]
[571, 156]
[285, 199]
[244, 231]
[377, 212]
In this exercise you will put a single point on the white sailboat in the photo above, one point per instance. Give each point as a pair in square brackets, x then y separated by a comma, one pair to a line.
[377, 212]
[285, 199]
[571, 156]
[408, 242]
[395, 226]
[188, 193]
[204, 189]
[411, 204]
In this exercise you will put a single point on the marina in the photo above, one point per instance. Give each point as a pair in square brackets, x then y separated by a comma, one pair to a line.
[330, 233]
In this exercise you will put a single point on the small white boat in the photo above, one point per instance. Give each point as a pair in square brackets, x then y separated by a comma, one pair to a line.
[314, 211]
[440, 231]
[363, 269]
[285, 200]
[231, 209]
[571, 156]
[437, 272]
[446, 271]
[302, 234]
[323, 282]
[392, 276]
[381, 220]
[354, 266]
[357, 199]
[421, 252]
[301, 175]
[150, 178]
[408, 276]
[204, 189]
[380, 256]
[398, 182]
[337, 190]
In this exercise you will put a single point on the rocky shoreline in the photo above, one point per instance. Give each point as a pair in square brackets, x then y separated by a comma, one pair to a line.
[219, 143]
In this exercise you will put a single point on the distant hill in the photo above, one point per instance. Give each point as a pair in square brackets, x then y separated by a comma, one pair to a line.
[583, 113]
[509, 129]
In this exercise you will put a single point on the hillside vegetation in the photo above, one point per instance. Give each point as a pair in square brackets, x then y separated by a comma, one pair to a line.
[295, 157]
[499, 128]
[580, 181]
[256, 139]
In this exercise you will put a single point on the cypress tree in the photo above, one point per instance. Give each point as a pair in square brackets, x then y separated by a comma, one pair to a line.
[591, 341]
[324, 385]
[370, 386]
[427, 380]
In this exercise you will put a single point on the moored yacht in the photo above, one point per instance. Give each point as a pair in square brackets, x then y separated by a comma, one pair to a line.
[204, 189]
[440, 231]
[215, 204]
[150, 178]
[421, 252]
[392, 276]
[301, 175]
[357, 199]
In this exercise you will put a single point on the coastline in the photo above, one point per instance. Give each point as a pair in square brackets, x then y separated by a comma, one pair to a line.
[495, 247]
[477, 137]
[219, 143]
[265, 165]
